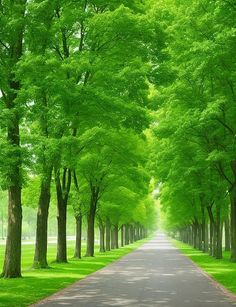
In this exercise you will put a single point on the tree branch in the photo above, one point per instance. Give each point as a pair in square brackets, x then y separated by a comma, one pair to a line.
[4, 45]
[222, 173]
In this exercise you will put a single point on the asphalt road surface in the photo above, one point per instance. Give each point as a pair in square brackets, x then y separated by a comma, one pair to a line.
[156, 274]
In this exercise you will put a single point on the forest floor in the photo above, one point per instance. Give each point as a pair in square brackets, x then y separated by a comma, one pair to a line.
[156, 274]
[221, 270]
[37, 284]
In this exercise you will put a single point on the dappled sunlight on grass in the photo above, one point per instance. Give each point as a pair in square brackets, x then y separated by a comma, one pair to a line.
[37, 284]
[222, 270]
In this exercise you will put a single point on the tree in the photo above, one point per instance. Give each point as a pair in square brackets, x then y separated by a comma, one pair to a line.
[12, 17]
[196, 105]
[72, 72]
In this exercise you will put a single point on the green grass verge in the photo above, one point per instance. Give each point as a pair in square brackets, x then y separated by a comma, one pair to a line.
[222, 270]
[37, 284]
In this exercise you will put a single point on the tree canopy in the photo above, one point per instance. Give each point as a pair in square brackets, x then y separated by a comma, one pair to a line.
[106, 106]
[74, 106]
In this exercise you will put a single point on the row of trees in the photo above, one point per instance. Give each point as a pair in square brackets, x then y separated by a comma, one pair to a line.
[194, 134]
[73, 108]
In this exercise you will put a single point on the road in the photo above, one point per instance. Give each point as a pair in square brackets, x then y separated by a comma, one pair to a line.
[157, 274]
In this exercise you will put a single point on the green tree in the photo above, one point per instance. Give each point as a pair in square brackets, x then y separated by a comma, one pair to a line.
[196, 105]
[12, 16]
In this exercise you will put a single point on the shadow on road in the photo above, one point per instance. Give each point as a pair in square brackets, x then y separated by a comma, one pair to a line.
[156, 274]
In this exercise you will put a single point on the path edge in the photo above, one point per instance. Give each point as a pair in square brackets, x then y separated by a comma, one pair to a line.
[64, 290]
[215, 283]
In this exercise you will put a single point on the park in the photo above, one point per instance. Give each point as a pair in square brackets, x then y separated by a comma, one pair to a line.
[118, 153]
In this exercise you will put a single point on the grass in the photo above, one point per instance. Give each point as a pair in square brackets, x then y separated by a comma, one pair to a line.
[37, 284]
[222, 270]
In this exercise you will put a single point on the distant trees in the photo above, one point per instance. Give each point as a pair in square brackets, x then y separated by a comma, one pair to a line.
[194, 145]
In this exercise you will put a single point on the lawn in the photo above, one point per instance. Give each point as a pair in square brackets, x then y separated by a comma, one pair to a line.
[37, 284]
[221, 270]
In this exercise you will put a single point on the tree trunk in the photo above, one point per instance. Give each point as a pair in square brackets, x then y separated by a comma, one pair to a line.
[108, 234]
[227, 233]
[90, 230]
[135, 233]
[122, 235]
[186, 235]
[211, 237]
[192, 238]
[232, 194]
[102, 236]
[190, 235]
[12, 261]
[214, 240]
[40, 256]
[61, 231]
[203, 239]
[78, 239]
[233, 223]
[199, 236]
[116, 236]
[131, 233]
[218, 251]
[126, 234]
[112, 238]
[194, 235]
[138, 232]
[62, 199]
[212, 232]
[206, 245]
[141, 232]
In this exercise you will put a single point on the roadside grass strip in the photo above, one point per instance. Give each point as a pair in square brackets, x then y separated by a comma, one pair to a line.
[37, 284]
[221, 270]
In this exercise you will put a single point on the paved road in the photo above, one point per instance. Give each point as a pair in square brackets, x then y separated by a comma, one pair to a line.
[156, 274]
